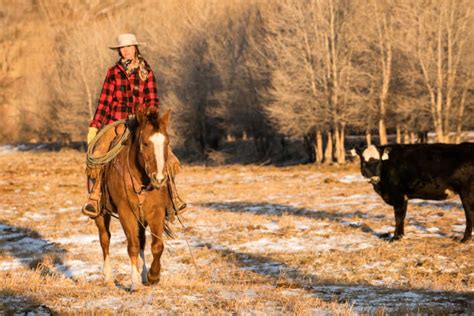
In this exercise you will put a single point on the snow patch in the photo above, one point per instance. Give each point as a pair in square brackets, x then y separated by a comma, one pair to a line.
[443, 204]
[8, 149]
[78, 268]
[25, 245]
[13, 264]
[67, 209]
[345, 243]
[272, 226]
[352, 178]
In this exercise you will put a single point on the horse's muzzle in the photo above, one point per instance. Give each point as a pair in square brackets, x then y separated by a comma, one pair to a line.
[158, 183]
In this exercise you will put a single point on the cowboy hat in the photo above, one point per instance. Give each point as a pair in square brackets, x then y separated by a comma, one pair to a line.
[126, 39]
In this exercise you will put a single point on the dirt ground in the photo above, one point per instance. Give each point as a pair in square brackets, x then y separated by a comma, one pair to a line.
[262, 240]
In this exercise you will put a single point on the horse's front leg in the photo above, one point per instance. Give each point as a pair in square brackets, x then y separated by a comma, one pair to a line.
[156, 223]
[142, 238]
[103, 225]
[130, 227]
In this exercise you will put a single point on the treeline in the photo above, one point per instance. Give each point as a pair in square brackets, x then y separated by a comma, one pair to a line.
[263, 72]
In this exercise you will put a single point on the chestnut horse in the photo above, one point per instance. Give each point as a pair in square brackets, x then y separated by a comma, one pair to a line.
[135, 187]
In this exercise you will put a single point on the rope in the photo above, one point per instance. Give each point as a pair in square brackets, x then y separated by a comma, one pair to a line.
[96, 162]
[189, 247]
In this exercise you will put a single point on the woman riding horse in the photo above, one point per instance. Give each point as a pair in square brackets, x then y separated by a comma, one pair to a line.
[137, 189]
[128, 84]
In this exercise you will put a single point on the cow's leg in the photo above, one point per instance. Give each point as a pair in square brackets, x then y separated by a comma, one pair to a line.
[142, 239]
[400, 213]
[130, 227]
[156, 226]
[467, 198]
[103, 224]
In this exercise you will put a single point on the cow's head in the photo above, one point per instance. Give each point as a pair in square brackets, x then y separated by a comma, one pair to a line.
[371, 158]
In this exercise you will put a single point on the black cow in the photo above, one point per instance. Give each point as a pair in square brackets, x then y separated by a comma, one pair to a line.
[425, 171]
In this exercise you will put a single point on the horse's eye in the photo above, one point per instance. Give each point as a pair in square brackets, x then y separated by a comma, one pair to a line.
[146, 144]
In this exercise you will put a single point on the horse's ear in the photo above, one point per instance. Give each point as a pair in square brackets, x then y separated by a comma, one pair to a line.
[153, 115]
[165, 119]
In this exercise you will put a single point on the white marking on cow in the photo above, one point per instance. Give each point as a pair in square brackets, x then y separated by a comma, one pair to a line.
[386, 151]
[107, 270]
[371, 152]
[158, 141]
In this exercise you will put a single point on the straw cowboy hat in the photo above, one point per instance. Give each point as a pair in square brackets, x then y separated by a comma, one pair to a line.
[126, 40]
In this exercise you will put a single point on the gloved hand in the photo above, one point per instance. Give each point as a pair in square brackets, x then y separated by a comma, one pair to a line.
[91, 134]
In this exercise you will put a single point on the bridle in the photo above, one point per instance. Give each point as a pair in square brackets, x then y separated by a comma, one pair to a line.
[153, 182]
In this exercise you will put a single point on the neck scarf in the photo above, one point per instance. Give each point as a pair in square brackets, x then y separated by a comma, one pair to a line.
[136, 64]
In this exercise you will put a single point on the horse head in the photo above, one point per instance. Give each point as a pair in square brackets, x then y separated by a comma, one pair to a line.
[153, 142]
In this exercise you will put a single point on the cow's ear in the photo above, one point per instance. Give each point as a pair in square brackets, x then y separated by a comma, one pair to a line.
[385, 153]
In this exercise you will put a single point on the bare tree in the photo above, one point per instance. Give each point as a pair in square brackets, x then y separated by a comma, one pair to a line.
[383, 17]
[263, 71]
[312, 70]
[437, 35]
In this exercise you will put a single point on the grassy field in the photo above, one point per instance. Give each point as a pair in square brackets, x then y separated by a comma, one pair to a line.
[264, 240]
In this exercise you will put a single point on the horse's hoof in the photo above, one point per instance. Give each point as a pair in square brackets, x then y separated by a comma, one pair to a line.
[395, 238]
[465, 239]
[384, 236]
[136, 287]
[109, 283]
[153, 280]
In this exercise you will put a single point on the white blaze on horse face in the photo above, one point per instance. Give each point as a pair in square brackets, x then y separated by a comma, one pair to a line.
[158, 141]
[371, 152]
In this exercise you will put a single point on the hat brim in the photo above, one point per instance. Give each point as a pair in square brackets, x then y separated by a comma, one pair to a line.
[120, 46]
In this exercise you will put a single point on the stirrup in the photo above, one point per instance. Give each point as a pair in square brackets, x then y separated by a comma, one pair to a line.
[178, 208]
[90, 210]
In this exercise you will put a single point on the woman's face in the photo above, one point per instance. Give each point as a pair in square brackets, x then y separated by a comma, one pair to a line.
[128, 52]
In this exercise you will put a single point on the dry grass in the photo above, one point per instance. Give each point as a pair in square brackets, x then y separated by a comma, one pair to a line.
[296, 240]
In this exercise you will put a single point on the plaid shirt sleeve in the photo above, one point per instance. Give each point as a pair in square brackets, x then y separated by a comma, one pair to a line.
[105, 101]
[151, 92]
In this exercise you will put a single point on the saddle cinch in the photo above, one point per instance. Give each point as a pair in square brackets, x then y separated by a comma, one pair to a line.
[103, 149]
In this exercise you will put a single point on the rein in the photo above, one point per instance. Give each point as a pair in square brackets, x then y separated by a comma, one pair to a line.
[98, 162]
[141, 199]
[166, 227]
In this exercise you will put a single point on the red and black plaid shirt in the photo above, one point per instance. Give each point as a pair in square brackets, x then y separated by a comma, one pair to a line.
[120, 94]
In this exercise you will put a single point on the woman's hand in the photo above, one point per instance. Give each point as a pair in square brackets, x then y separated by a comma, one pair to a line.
[91, 134]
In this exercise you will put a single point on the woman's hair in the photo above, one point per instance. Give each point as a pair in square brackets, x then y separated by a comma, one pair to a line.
[137, 52]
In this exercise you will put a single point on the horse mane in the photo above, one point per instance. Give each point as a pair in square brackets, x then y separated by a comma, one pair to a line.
[150, 114]
[154, 117]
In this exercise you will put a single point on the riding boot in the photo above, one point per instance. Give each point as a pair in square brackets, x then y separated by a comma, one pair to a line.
[177, 201]
[91, 207]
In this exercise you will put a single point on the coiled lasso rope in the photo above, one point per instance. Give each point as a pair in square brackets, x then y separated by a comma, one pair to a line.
[97, 162]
